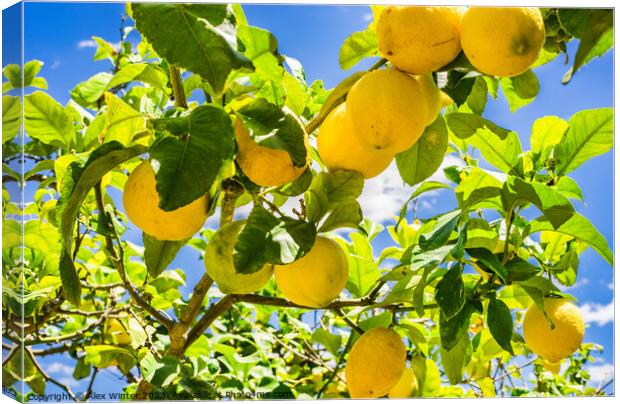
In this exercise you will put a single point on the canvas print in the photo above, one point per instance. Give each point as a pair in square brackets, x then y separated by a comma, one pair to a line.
[211, 201]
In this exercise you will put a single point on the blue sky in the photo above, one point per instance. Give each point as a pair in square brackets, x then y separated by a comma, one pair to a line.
[59, 35]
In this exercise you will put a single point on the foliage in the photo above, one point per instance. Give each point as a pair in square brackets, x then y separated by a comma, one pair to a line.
[173, 97]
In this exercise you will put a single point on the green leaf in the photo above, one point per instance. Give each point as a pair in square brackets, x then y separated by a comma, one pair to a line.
[569, 188]
[334, 191]
[88, 92]
[123, 122]
[490, 260]
[192, 36]
[103, 356]
[47, 120]
[260, 46]
[330, 341]
[499, 320]
[266, 239]
[421, 189]
[441, 231]
[81, 370]
[11, 117]
[71, 287]
[356, 47]
[13, 73]
[79, 180]
[520, 270]
[520, 90]
[582, 229]
[363, 273]
[271, 126]
[160, 372]
[343, 214]
[295, 93]
[179, 161]
[465, 125]
[547, 132]
[480, 234]
[453, 329]
[158, 254]
[453, 360]
[422, 159]
[476, 187]
[450, 293]
[380, 320]
[593, 39]
[538, 287]
[501, 153]
[144, 72]
[590, 133]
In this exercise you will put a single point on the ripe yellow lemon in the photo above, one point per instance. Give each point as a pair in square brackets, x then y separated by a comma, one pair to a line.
[561, 341]
[263, 165]
[375, 364]
[220, 267]
[317, 278]
[502, 41]
[340, 149]
[445, 99]
[117, 333]
[432, 95]
[389, 110]
[419, 40]
[141, 202]
[553, 367]
[406, 386]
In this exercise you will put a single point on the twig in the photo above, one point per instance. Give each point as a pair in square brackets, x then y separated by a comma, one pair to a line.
[102, 287]
[89, 389]
[48, 378]
[117, 260]
[349, 322]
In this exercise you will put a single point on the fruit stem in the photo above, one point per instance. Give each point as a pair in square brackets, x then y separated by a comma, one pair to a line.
[232, 190]
[349, 322]
[177, 87]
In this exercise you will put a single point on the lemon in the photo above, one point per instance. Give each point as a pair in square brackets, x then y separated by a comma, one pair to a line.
[220, 267]
[553, 367]
[141, 202]
[341, 150]
[389, 110]
[263, 165]
[419, 40]
[117, 333]
[375, 364]
[502, 41]
[445, 99]
[317, 278]
[561, 341]
[432, 95]
[406, 386]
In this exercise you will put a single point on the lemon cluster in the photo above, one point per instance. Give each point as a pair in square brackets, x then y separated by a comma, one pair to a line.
[499, 41]
[385, 113]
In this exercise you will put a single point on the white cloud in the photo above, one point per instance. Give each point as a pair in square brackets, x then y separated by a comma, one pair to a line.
[55, 64]
[367, 17]
[384, 195]
[600, 373]
[87, 43]
[598, 313]
[59, 368]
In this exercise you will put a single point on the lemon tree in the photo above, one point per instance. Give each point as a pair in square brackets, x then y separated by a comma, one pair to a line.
[207, 141]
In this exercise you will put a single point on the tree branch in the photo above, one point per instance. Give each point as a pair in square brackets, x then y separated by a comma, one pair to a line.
[211, 314]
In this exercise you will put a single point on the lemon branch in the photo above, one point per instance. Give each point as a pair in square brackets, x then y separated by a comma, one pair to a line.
[117, 260]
